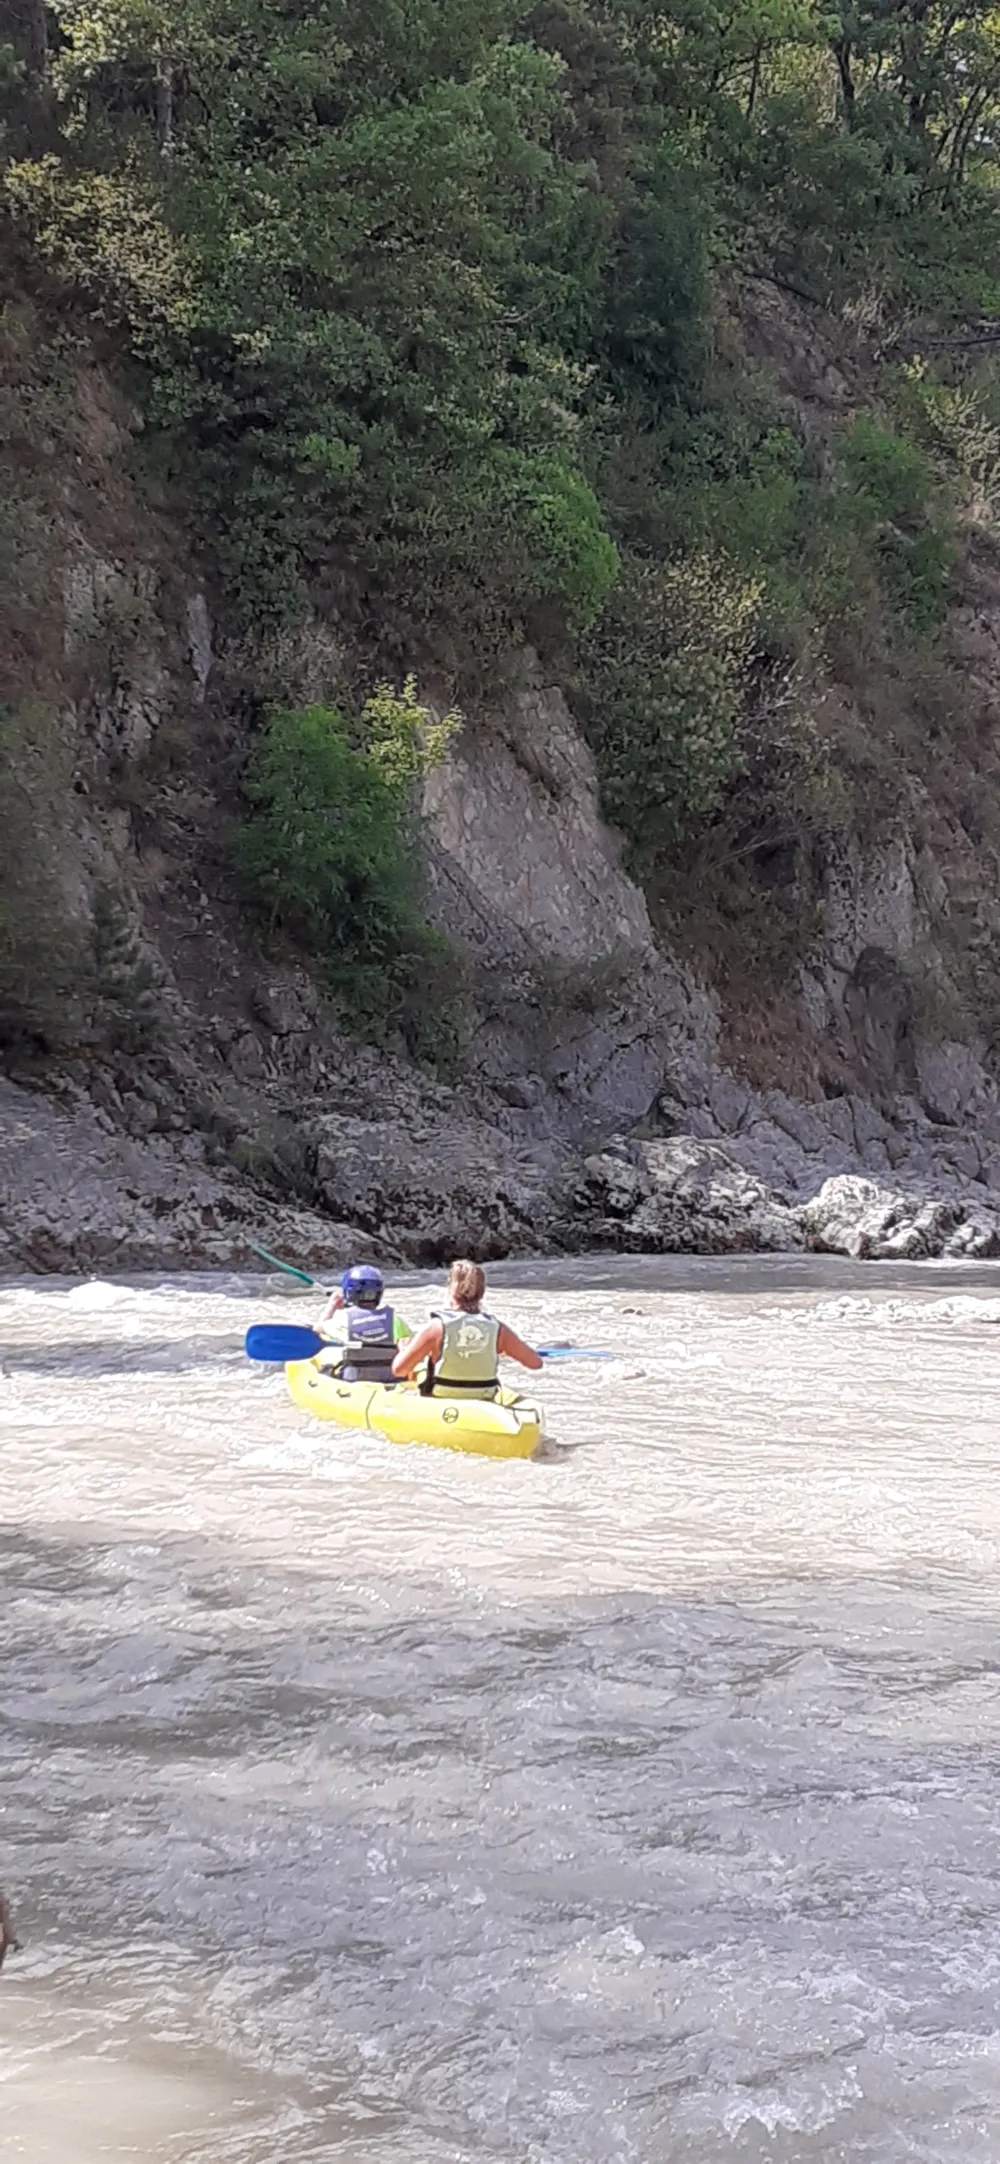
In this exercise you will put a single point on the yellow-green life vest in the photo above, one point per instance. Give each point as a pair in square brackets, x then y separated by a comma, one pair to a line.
[467, 1363]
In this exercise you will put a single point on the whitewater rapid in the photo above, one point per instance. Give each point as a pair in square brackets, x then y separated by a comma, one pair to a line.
[635, 1806]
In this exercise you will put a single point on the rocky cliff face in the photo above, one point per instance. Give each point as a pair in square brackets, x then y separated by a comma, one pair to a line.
[612, 1097]
[579, 1013]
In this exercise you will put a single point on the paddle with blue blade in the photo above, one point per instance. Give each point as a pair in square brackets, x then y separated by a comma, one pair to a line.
[573, 1352]
[278, 1342]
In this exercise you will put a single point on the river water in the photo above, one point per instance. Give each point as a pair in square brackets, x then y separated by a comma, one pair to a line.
[635, 1806]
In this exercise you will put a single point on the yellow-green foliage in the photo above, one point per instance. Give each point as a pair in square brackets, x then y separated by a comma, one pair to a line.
[958, 423]
[107, 233]
[326, 856]
[667, 673]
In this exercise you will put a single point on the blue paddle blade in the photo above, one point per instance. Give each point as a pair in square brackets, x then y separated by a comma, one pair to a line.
[279, 1342]
[571, 1352]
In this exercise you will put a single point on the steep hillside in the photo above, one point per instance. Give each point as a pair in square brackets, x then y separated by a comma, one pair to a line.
[626, 385]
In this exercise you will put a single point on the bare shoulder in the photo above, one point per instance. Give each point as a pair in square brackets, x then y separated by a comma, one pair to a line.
[430, 1333]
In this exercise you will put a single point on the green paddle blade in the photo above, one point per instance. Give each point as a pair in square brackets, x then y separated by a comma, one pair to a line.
[288, 1267]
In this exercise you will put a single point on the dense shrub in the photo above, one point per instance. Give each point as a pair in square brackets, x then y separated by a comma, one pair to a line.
[326, 857]
[437, 302]
[667, 672]
[892, 506]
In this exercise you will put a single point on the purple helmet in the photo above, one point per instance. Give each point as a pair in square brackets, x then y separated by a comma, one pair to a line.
[362, 1285]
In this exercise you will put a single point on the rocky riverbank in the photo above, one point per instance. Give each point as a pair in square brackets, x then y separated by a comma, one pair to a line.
[178, 1084]
[595, 1102]
[418, 1177]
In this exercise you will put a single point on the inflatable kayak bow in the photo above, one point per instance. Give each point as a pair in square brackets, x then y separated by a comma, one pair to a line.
[507, 1426]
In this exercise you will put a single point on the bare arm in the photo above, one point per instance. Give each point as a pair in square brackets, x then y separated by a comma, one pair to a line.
[425, 1346]
[332, 1308]
[514, 1348]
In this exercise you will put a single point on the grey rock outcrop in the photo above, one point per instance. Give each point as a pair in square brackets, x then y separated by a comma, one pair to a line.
[286, 1003]
[435, 1187]
[77, 1194]
[405, 1173]
[853, 1216]
[676, 1196]
[583, 1025]
[568, 982]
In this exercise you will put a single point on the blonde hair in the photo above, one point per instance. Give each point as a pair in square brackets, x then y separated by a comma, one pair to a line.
[466, 1285]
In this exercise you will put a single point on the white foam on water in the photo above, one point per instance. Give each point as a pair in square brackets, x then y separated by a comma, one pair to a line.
[96, 1297]
[633, 1807]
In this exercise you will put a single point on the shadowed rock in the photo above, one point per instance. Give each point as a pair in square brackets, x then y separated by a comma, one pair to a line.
[9, 1942]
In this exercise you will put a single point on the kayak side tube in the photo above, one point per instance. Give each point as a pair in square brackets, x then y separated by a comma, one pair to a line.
[507, 1426]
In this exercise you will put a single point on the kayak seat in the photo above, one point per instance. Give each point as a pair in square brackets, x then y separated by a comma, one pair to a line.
[360, 1363]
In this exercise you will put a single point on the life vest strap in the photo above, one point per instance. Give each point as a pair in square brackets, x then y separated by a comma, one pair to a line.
[441, 1383]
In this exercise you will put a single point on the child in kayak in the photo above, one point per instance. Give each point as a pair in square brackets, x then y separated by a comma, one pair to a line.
[461, 1347]
[356, 1318]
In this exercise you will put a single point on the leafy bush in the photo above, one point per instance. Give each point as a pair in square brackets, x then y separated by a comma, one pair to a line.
[571, 559]
[737, 485]
[891, 498]
[667, 670]
[652, 338]
[889, 476]
[327, 856]
[108, 235]
[490, 537]
[959, 425]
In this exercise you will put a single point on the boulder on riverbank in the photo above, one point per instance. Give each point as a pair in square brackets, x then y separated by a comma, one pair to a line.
[856, 1217]
[676, 1196]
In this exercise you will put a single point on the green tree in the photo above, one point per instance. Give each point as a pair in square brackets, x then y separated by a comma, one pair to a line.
[326, 857]
[436, 311]
[371, 249]
[668, 667]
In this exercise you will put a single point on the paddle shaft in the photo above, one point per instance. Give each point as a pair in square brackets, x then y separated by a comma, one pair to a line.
[289, 1268]
[546, 1352]
[275, 1343]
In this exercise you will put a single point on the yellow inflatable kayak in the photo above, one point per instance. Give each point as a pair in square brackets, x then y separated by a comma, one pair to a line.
[502, 1427]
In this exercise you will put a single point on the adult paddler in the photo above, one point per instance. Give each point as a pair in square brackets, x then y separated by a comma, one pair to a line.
[462, 1346]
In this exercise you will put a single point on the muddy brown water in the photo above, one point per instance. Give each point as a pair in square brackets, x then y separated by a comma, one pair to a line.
[637, 1806]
